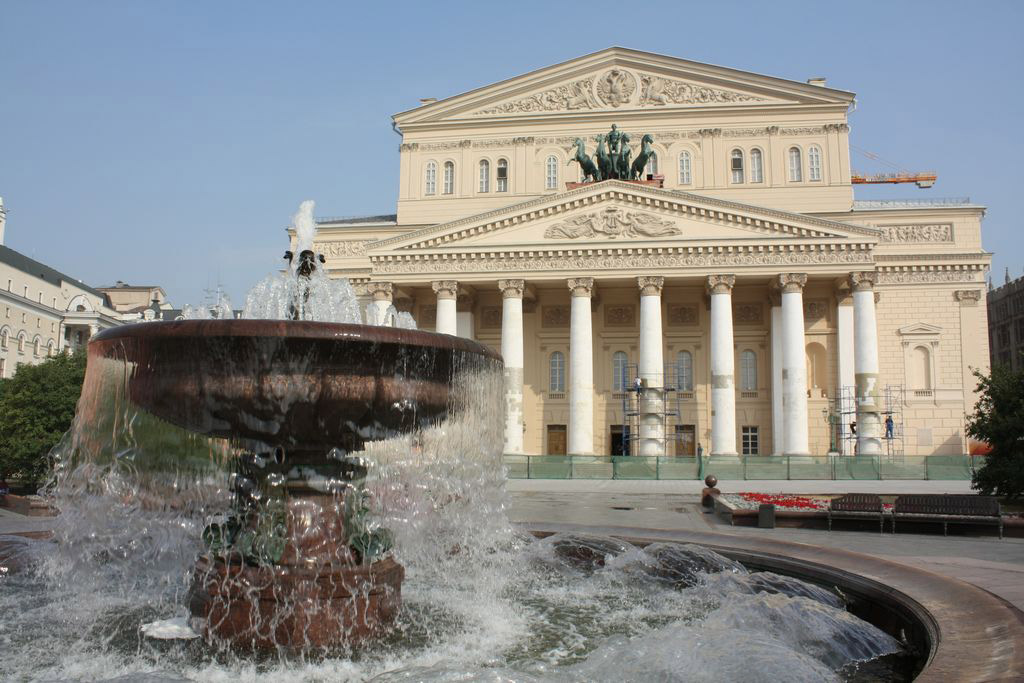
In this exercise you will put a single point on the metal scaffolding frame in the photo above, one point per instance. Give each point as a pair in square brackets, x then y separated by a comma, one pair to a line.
[844, 411]
[669, 415]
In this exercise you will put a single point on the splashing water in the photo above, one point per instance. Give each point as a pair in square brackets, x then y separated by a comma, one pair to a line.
[318, 297]
[481, 600]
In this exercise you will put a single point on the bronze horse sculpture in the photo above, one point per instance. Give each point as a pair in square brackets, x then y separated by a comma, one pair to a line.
[636, 171]
[590, 170]
[604, 160]
[622, 161]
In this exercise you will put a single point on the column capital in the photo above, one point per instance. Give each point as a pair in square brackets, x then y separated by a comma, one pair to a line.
[445, 289]
[721, 284]
[512, 289]
[381, 291]
[581, 286]
[792, 282]
[863, 281]
[650, 285]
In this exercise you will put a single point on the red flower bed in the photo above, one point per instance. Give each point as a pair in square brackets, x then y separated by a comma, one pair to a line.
[783, 500]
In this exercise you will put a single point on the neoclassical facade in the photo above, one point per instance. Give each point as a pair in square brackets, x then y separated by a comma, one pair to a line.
[761, 307]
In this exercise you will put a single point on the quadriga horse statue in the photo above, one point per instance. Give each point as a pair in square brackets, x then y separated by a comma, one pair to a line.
[622, 162]
[590, 171]
[636, 172]
[604, 160]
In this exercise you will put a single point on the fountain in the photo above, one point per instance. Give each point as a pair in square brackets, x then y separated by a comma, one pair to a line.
[296, 495]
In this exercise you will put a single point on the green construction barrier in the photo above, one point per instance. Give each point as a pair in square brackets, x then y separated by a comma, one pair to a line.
[550, 467]
[592, 467]
[516, 466]
[679, 467]
[855, 467]
[766, 467]
[908, 467]
[725, 467]
[949, 467]
[810, 467]
[635, 467]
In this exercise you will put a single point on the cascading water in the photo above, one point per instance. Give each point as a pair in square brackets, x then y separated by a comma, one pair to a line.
[275, 421]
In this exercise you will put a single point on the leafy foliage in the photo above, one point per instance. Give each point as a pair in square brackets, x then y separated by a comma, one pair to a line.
[37, 405]
[999, 421]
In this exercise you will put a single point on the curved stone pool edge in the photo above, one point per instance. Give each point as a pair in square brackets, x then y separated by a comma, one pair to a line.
[968, 633]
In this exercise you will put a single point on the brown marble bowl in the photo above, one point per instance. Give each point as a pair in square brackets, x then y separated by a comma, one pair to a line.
[289, 384]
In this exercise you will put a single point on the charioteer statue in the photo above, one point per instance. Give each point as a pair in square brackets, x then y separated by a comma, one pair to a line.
[614, 157]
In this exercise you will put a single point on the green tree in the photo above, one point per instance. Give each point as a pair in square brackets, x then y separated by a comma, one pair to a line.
[37, 405]
[998, 420]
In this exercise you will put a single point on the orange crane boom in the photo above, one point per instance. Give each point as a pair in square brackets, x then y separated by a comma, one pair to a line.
[922, 179]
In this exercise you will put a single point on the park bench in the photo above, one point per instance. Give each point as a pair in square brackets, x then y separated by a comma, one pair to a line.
[857, 506]
[967, 509]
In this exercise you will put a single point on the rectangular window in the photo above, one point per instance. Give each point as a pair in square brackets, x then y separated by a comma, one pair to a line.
[557, 440]
[3, 368]
[502, 176]
[751, 445]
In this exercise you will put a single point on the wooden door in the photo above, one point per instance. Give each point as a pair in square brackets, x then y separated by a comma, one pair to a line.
[557, 436]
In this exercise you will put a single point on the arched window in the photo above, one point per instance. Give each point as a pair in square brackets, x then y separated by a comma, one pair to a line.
[620, 381]
[3, 339]
[37, 347]
[748, 371]
[814, 163]
[921, 369]
[502, 184]
[795, 165]
[756, 166]
[684, 366]
[449, 178]
[556, 381]
[736, 164]
[652, 165]
[485, 175]
[817, 367]
[21, 341]
[51, 350]
[685, 175]
[551, 175]
[430, 178]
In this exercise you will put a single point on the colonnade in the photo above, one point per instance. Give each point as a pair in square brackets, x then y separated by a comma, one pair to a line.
[789, 373]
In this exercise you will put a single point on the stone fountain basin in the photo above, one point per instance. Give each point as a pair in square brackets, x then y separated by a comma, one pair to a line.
[299, 385]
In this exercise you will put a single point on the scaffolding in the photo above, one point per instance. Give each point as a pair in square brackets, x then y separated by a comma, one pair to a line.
[668, 417]
[843, 413]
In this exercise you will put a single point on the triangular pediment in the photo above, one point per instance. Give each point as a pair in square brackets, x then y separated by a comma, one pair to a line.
[617, 80]
[919, 329]
[623, 214]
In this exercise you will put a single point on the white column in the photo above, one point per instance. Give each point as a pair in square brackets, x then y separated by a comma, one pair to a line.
[651, 368]
[581, 368]
[794, 365]
[464, 303]
[845, 357]
[865, 349]
[512, 354]
[778, 431]
[447, 319]
[723, 384]
[381, 293]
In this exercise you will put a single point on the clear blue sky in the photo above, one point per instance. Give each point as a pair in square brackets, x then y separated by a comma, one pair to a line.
[169, 142]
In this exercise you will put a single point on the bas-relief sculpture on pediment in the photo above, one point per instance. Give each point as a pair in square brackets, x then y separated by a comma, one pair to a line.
[614, 88]
[612, 223]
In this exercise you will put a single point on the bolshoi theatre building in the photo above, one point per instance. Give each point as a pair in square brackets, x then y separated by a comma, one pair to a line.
[722, 292]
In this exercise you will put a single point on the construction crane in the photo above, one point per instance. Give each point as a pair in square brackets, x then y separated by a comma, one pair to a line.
[923, 179]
